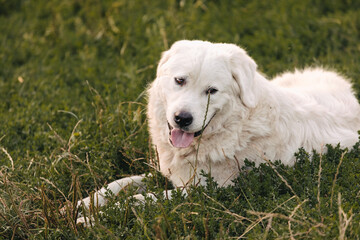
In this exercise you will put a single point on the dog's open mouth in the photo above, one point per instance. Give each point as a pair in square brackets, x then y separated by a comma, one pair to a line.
[181, 139]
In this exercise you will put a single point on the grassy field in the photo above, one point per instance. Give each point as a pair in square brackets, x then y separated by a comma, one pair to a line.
[72, 115]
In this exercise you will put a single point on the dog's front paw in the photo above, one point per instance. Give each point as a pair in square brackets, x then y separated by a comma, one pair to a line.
[85, 221]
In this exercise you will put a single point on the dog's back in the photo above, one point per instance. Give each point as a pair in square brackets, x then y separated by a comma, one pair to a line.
[327, 88]
[331, 95]
[314, 80]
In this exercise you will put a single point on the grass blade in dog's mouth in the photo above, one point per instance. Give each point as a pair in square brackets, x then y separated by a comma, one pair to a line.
[180, 138]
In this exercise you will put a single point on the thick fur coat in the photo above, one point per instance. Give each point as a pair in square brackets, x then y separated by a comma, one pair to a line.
[217, 86]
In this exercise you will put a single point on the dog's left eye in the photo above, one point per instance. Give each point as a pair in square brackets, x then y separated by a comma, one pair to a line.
[211, 90]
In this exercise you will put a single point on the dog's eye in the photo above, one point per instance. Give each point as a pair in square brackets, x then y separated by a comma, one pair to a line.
[211, 90]
[180, 80]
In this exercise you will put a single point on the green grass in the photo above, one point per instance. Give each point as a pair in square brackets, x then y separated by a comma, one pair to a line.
[72, 114]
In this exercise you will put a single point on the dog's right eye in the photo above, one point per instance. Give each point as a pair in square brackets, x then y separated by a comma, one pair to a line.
[180, 80]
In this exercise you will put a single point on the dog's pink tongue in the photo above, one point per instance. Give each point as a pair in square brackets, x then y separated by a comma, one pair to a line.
[181, 139]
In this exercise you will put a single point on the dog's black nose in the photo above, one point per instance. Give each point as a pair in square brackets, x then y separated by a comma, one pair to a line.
[183, 119]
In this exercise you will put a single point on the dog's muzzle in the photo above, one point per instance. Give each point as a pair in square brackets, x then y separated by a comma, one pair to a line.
[185, 137]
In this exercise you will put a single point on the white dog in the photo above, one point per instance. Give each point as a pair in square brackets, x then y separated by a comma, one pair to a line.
[209, 109]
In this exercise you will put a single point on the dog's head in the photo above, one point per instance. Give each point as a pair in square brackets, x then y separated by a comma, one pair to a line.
[199, 81]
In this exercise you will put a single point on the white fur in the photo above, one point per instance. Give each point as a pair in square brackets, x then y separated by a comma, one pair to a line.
[254, 118]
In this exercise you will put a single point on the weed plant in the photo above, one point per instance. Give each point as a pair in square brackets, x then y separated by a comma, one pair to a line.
[72, 114]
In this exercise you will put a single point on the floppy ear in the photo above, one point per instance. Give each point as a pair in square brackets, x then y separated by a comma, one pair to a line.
[164, 58]
[243, 69]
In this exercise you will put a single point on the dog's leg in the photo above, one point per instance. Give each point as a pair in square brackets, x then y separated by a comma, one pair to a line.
[100, 196]
[86, 221]
[141, 198]
[114, 187]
